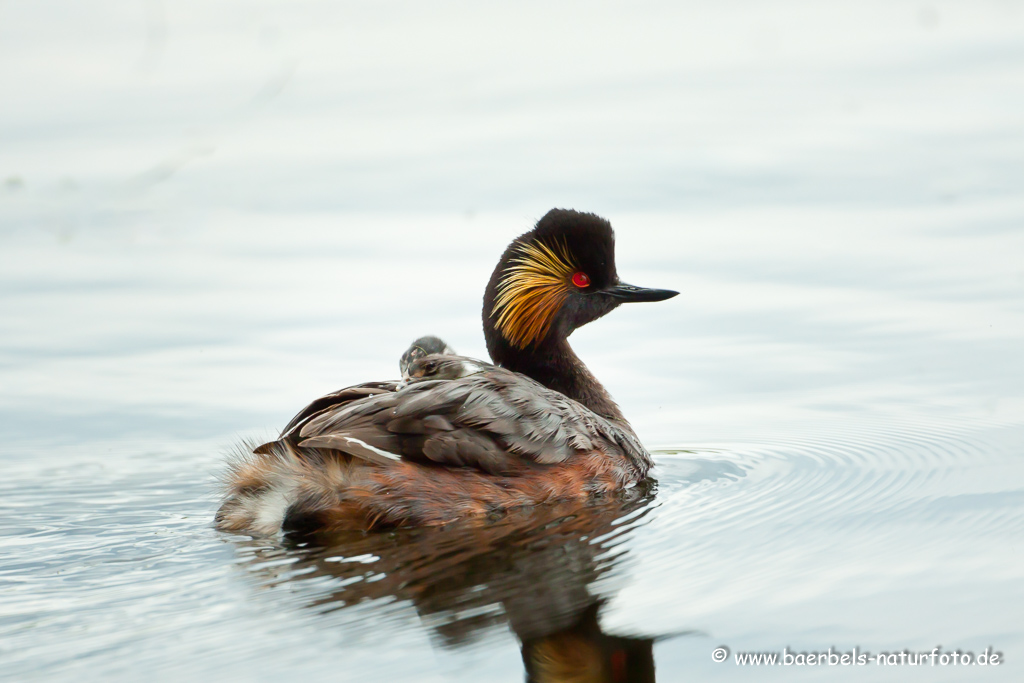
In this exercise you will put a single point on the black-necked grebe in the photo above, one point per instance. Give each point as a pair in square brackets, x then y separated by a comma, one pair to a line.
[476, 438]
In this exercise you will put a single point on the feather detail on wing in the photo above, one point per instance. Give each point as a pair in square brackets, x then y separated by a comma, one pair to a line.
[496, 421]
[338, 397]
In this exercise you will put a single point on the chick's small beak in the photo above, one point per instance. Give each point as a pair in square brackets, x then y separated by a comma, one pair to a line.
[625, 292]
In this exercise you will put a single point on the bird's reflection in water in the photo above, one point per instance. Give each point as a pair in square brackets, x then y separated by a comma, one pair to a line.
[533, 571]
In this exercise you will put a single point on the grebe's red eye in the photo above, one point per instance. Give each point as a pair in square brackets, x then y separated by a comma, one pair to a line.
[580, 279]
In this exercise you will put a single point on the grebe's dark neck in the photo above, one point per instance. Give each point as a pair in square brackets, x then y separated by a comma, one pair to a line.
[556, 366]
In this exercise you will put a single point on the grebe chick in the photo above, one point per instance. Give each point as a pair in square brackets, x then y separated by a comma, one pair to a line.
[424, 346]
[535, 428]
[439, 366]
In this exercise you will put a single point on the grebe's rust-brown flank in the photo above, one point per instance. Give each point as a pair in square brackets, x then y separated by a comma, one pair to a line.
[461, 437]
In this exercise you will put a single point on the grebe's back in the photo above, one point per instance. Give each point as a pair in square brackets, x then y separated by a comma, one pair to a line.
[432, 451]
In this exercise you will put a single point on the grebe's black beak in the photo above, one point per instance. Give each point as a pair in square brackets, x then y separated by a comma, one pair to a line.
[625, 292]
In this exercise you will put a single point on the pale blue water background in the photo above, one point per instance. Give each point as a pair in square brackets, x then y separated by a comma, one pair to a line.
[211, 213]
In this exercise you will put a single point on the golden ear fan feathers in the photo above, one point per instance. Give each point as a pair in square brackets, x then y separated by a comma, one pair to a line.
[531, 292]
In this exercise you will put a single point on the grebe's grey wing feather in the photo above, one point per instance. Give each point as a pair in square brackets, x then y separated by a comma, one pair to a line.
[630, 445]
[496, 421]
[324, 403]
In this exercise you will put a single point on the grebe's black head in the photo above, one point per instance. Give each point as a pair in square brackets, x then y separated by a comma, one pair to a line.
[557, 277]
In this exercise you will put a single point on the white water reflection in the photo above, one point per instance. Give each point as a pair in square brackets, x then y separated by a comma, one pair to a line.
[211, 213]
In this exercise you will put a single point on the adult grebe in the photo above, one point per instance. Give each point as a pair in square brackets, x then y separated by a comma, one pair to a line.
[463, 437]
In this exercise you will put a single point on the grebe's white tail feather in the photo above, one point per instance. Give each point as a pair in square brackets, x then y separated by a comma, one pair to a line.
[262, 488]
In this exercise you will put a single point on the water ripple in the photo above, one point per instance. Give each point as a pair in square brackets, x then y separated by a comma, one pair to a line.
[115, 560]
